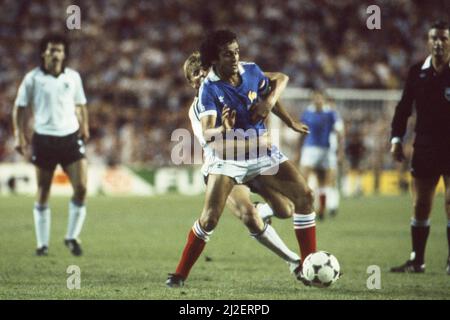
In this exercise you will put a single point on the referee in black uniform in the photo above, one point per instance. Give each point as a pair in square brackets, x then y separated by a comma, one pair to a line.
[427, 89]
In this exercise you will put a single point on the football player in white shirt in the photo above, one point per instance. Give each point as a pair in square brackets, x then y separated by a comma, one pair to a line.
[55, 94]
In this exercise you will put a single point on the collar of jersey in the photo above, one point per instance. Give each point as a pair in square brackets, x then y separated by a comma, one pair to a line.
[48, 73]
[212, 76]
[427, 63]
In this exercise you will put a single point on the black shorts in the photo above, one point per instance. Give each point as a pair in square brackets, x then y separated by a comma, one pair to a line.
[49, 151]
[430, 158]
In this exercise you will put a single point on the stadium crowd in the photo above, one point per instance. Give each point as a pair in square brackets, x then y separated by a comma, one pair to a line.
[130, 53]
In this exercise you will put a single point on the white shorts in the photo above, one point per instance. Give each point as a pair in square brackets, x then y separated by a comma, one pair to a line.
[245, 170]
[316, 157]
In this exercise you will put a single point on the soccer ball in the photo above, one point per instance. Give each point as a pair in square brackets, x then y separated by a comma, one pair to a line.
[321, 269]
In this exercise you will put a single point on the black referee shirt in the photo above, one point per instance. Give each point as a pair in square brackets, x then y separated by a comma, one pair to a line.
[429, 93]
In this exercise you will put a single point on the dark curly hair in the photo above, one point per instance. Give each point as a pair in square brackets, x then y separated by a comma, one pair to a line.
[53, 38]
[210, 47]
[440, 25]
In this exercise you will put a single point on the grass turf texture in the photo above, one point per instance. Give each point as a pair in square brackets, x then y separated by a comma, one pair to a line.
[131, 244]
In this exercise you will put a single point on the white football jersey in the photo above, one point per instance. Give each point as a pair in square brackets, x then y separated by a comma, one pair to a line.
[53, 100]
[197, 128]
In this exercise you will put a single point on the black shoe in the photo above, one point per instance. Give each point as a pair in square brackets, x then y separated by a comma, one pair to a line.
[174, 281]
[42, 251]
[74, 246]
[299, 275]
[409, 267]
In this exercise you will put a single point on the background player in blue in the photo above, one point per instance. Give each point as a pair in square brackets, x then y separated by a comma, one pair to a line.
[228, 99]
[315, 147]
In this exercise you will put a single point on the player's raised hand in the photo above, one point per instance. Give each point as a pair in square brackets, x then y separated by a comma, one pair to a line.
[300, 127]
[397, 152]
[228, 118]
[260, 111]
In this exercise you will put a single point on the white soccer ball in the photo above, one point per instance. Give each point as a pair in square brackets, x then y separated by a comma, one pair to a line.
[321, 268]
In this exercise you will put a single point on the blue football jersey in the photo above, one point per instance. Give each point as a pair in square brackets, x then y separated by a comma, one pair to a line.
[215, 94]
[320, 124]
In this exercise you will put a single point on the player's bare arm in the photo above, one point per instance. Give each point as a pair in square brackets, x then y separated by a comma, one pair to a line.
[19, 124]
[278, 82]
[83, 119]
[284, 116]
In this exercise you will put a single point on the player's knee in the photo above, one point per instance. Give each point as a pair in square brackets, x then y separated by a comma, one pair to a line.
[309, 195]
[421, 205]
[80, 191]
[251, 219]
[284, 210]
[209, 219]
[43, 192]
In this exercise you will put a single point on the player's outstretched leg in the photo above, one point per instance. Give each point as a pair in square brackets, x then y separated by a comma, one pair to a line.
[217, 190]
[291, 184]
[196, 241]
[241, 206]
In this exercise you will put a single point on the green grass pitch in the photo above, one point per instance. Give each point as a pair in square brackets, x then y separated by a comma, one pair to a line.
[132, 243]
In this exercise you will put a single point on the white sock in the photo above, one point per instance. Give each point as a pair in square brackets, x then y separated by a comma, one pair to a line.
[77, 214]
[264, 210]
[200, 232]
[42, 220]
[271, 240]
[333, 198]
[304, 221]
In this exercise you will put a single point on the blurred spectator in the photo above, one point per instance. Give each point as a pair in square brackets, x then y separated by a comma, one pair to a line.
[130, 54]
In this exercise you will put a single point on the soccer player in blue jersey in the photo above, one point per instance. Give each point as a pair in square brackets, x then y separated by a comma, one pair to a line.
[239, 201]
[315, 154]
[236, 97]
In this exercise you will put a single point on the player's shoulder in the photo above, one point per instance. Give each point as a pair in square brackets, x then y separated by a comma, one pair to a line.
[32, 73]
[71, 72]
[329, 110]
[249, 66]
[210, 84]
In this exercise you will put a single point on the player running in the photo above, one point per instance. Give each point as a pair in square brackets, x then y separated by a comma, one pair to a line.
[235, 98]
[60, 130]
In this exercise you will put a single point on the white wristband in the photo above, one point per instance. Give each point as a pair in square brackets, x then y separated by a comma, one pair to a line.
[396, 140]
